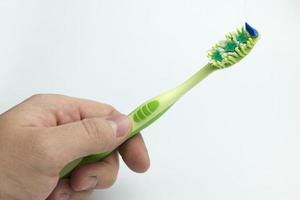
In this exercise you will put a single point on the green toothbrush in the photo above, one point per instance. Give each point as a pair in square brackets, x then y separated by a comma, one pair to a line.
[224, 54]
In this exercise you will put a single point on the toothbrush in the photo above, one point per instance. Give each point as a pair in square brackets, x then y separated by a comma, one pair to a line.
[222, 55]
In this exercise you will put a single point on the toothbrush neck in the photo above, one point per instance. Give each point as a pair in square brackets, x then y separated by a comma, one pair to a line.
[194, 80]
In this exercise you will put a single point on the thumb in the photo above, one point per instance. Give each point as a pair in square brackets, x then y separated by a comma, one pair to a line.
[89, 136]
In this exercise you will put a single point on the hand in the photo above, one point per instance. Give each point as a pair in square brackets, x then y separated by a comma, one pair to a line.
[44, 133]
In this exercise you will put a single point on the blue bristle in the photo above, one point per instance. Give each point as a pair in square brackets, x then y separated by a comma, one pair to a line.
[252, 32]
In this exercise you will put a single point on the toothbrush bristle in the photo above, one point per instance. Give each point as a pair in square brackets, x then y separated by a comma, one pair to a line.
[236, 46]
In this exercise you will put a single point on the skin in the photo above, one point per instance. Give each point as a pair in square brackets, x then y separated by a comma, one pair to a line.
[41, 135]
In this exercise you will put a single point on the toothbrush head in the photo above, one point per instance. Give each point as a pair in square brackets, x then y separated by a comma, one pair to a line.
[236, 46]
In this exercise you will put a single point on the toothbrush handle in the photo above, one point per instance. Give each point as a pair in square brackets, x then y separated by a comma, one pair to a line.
[146, 114]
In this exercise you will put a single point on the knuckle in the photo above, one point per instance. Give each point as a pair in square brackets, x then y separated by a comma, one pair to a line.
[37, 96]
[107, 181]
[108, 109]
[111, 169]
[110, 182]
[41, 96]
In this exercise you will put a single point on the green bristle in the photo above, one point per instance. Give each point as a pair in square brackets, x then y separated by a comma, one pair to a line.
[230, 46]
[217, 56]
[242, 38]
[236, 46]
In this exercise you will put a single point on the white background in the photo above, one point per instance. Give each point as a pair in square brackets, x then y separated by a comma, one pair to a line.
[235, 136]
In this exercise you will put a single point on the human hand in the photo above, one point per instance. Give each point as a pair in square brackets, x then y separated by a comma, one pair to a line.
[44, 133]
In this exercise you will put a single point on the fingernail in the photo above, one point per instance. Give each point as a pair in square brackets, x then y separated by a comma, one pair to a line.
[64, 196]
[90, 183]
[121, 125]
